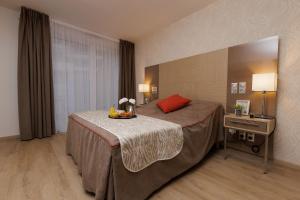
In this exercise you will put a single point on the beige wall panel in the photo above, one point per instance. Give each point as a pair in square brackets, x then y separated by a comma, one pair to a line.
[201, 77]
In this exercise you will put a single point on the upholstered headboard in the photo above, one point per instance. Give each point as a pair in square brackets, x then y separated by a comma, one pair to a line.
[209, 76]
[202, 77]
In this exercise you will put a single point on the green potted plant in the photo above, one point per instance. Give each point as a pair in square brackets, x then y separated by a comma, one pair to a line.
[238, 109]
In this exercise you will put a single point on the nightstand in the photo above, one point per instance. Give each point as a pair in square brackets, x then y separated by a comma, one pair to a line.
[259, 126]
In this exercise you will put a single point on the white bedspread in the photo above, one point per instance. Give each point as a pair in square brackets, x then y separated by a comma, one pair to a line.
[144, 140]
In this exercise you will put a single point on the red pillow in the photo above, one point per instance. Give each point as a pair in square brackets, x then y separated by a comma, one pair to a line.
[172, 103]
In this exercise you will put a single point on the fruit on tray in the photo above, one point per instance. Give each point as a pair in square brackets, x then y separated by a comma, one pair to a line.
[126, 114]
[112, 112]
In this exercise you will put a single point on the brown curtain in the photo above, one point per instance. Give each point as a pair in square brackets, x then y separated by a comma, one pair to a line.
[35, 89]
[127, 70]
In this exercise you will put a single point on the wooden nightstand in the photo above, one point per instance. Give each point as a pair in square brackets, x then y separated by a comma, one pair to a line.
[259, 126]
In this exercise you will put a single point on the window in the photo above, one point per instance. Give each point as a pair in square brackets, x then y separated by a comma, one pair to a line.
[85, 72]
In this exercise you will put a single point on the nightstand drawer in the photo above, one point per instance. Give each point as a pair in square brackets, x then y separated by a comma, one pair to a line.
[246, 124]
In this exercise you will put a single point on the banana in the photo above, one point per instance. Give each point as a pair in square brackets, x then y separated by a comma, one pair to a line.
[112, 112]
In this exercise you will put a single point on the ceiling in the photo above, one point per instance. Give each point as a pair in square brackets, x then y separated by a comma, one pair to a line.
[126, 19]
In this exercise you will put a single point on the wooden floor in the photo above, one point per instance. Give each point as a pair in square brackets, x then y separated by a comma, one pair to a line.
[40, 170]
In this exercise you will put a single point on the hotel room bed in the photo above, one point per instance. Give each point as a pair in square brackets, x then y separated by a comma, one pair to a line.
[98, 155]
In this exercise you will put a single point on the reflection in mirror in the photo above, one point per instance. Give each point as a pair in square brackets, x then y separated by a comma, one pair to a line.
[247, 61]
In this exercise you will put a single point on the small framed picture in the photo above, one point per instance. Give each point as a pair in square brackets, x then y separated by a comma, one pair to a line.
[245, 106]
[242, 87]
[234, 88]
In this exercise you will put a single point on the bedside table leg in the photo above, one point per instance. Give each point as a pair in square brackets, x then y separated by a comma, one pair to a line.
[266, 154]
[225, 145]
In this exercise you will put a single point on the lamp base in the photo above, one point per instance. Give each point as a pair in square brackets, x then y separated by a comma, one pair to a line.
[146, 100]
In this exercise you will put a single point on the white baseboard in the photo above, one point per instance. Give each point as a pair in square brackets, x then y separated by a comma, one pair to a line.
[11, 137]
[286, 163]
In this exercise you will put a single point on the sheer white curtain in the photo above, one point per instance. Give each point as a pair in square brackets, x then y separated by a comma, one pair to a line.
[85, 72]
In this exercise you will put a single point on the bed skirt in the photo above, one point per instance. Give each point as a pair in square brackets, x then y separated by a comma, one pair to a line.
[97, 154]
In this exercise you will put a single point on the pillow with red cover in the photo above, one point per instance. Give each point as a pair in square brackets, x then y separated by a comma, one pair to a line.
[172, 103]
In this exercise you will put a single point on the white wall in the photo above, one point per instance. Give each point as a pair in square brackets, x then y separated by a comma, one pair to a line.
[9, 124]
[230, 22]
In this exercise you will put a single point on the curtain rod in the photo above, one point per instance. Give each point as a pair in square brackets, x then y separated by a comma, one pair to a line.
[84, 30]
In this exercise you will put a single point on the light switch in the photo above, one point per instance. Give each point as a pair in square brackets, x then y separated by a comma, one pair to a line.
[242, 87]
[154, 89]
[234, 88]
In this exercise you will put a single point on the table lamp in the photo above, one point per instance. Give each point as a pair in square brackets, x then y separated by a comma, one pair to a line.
[264, 83]
[143, 88]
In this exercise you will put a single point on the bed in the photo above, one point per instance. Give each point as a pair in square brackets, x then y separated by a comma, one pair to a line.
[97, 152]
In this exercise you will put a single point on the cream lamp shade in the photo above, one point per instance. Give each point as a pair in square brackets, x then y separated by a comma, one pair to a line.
[264, 82]
[144, 88]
